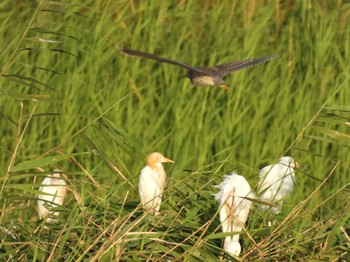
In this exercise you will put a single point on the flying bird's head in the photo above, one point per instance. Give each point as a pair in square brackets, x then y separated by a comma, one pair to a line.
[189, 74]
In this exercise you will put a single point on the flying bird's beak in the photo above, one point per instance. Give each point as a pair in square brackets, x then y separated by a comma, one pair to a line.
[188, 75]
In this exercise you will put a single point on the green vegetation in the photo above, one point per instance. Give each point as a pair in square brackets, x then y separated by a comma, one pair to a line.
[69, 99]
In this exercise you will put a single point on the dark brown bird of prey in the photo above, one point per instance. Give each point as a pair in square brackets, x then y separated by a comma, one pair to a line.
[204, 76]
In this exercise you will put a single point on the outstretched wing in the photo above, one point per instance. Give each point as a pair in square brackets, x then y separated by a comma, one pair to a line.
[154, 57]
[239, 65]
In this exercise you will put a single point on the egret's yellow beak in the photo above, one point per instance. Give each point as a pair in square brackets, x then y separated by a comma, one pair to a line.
[298, 165]
[167, 160]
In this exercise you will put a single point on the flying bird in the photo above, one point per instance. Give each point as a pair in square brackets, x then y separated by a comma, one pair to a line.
[276, 182]
[152, 182]
[53, 189]
[234, 209]
[204, 76]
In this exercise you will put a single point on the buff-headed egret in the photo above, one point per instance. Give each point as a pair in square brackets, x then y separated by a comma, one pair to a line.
[53, 189]
[276, 181]
[234, 208]
[152, 182]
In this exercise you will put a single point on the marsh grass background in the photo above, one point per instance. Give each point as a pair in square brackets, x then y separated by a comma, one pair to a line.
[69, 99]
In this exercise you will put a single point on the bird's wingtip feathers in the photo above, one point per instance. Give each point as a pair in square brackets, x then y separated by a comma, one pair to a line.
[276, 55]
[122, 50]
[273, 56]
[127, 51]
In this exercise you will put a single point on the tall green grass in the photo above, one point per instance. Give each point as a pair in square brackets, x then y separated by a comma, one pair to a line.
[70, 99]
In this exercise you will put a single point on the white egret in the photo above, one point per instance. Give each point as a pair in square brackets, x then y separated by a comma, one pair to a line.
[276, 181]
[234, 208]
[54, 190]
[152, 182]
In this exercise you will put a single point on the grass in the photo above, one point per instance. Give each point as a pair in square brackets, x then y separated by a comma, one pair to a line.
[69, 99]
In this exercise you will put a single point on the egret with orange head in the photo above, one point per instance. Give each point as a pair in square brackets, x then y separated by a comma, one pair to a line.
[152, 182]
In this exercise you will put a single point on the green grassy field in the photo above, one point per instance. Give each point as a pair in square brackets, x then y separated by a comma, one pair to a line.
[69, 99]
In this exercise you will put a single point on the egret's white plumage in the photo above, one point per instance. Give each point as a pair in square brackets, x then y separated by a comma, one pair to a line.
[276, 181]
[54, 189]
[234, 208]
[152, 182]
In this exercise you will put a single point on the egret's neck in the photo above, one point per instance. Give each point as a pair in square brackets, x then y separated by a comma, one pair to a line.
[157, 167]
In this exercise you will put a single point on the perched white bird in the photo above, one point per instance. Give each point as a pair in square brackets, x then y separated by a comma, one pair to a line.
[234, 208]
[276, 181]
[54, 190]
[152, 182]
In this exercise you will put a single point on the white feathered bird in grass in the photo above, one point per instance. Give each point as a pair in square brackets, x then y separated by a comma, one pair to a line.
[54, 190]
[276, 182]
[152, 182]
[234, 208]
